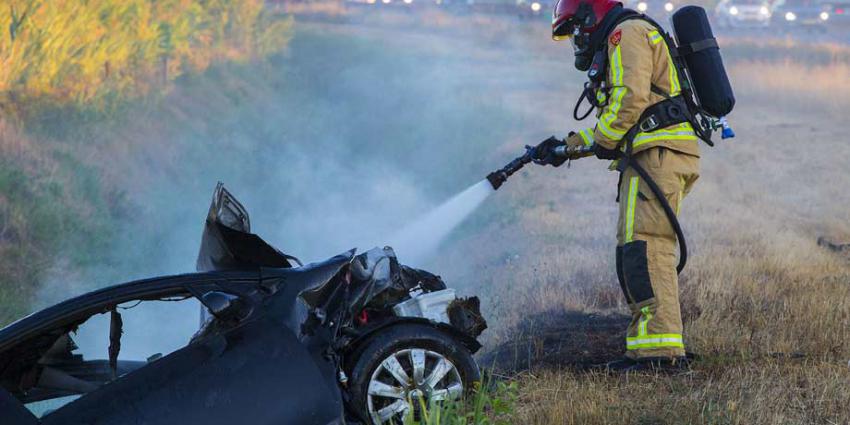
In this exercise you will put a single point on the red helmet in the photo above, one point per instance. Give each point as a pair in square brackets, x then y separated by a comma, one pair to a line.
[584, 14]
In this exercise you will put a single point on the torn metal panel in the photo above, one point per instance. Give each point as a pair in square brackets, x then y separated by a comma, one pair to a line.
[227, 242]
[465, 315]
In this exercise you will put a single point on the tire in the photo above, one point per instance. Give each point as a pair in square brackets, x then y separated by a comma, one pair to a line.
[404, 342]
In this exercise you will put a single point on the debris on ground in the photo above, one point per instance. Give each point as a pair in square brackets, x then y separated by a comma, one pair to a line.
[564, 339]
[833, 246]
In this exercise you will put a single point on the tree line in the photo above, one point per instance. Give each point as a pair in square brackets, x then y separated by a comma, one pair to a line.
[80, 50]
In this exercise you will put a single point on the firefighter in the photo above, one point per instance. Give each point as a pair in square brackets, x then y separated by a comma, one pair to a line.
[632, 63]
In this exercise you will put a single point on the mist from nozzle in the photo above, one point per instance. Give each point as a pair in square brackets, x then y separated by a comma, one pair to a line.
[419, 241]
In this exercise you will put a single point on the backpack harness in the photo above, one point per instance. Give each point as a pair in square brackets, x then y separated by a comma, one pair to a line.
[670, 111]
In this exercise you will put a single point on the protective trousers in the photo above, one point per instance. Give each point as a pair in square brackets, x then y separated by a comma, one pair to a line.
[647, 252]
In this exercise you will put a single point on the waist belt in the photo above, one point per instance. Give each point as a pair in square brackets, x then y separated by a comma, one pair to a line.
[670, 111]
[663, 114]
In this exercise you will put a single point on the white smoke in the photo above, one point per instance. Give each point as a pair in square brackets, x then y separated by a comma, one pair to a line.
[417, 242]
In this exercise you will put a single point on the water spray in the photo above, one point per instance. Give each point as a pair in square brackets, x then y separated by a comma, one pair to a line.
[420, 240]
[417, 242]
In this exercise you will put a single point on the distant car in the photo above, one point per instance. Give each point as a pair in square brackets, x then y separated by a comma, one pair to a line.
[660, 10]
[840, 15]
[801, 13]
[743, 13]
[535, 7]
[381, 2]
[520, 8]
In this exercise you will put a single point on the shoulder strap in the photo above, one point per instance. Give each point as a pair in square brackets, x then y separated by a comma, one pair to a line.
[602, 60]
[628, 16]
[676, 53]
[684, 99]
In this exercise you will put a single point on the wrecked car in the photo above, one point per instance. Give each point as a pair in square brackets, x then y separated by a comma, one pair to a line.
[357, 338]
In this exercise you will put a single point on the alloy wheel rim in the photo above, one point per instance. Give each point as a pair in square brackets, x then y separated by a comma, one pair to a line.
[407, 379]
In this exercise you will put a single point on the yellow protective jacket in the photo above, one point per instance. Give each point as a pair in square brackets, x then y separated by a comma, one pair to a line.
[637, 59]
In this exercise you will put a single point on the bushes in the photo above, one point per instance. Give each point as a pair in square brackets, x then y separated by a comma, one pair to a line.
[493, 403]
[81, 51]
[62, 63]
[49, 203]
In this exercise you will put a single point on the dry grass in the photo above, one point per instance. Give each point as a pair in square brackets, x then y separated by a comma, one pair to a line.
[788, 81]
[757, 292]
[768, 309]
[328, 9]
[766, 392]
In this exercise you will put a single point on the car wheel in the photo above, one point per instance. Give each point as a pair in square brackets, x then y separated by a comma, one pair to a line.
[405, 364]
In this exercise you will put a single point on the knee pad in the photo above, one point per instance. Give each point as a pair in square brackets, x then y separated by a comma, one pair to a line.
[633, 272]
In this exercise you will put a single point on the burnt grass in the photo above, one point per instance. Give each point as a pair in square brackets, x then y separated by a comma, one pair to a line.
[559, 340]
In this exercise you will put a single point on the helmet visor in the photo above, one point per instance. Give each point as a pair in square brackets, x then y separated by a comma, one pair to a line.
[565, 36]
[563, 21]
[564, 31]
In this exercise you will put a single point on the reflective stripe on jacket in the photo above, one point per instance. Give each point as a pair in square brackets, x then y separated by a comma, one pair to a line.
[638, 59]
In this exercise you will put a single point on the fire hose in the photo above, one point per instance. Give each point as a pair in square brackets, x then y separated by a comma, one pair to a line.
[496, 178]
[500, 176]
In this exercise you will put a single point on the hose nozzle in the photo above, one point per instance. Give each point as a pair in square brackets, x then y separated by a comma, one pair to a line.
[500, 176]
[496, 178]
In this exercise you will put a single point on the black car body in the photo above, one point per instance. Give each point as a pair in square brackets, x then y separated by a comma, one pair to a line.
[36, 363]
[278, 348]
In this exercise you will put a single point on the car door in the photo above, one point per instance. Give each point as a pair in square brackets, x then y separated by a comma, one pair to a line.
[255, 372]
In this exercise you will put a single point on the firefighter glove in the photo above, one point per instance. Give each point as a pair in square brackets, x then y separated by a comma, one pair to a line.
[603, 153]
[544, 152]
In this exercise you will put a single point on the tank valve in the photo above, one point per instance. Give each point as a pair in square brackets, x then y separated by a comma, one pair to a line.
[727, 132]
